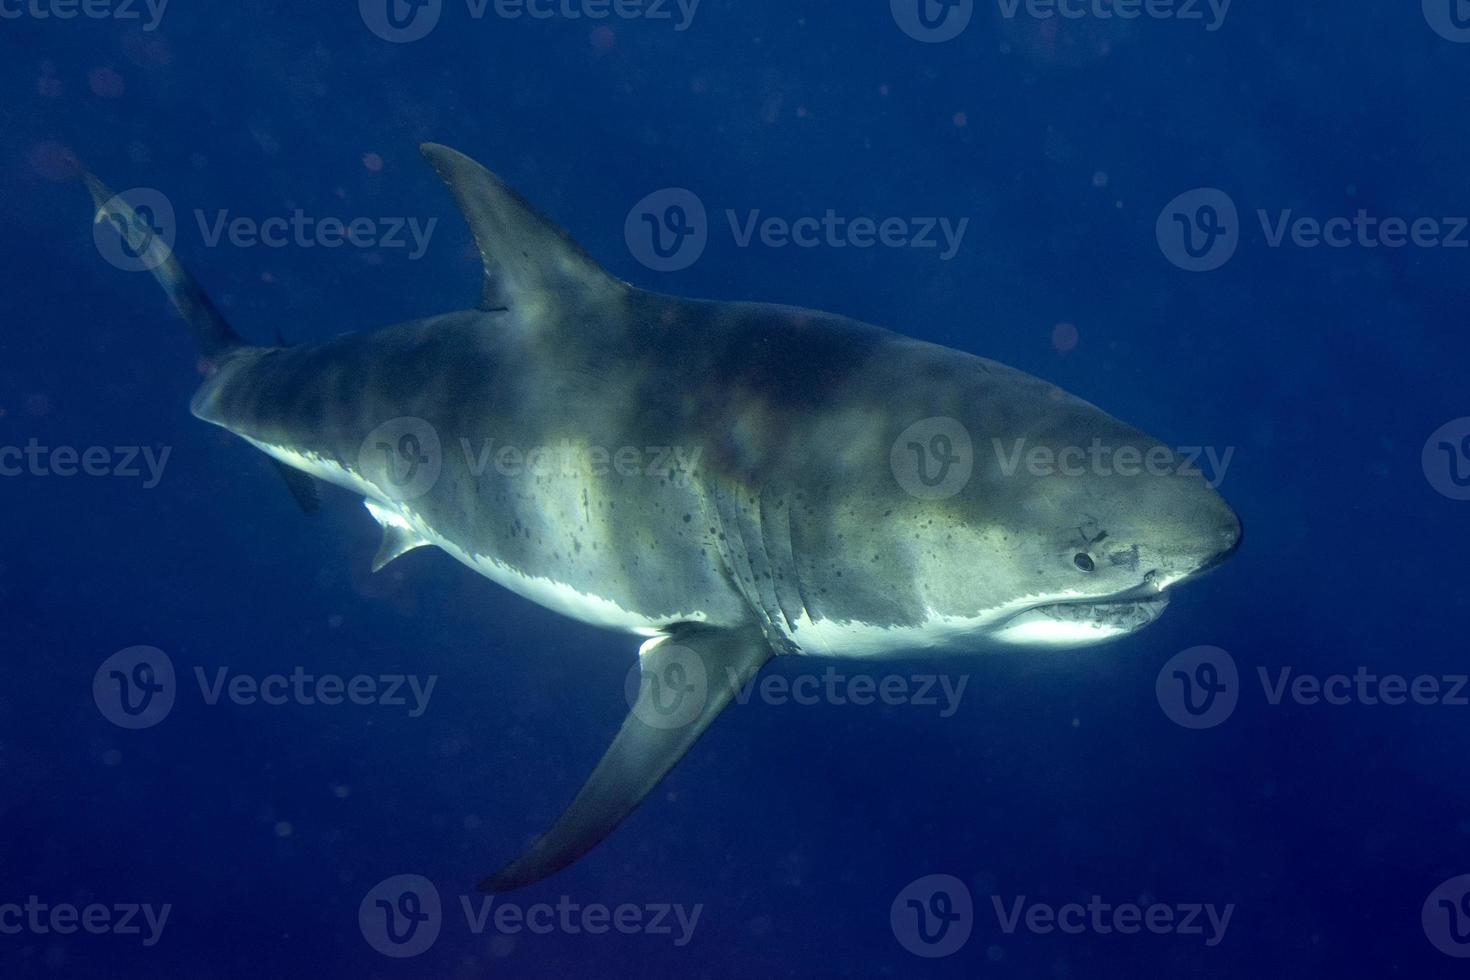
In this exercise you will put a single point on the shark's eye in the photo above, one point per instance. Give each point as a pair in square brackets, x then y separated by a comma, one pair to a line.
[1084, 561]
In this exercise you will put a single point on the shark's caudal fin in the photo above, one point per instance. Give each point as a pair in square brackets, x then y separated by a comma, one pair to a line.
[531, 265]
[212, 335]
[685, 681]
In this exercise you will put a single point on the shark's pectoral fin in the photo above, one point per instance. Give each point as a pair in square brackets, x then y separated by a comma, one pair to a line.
[531, 265]
[304, 489]
[685, 680]
[398, 537]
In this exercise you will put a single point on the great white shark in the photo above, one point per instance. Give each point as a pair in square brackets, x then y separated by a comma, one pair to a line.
[728, 481]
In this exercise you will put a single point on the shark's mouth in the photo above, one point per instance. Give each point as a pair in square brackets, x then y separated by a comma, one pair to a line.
[1084, 621]
[1125, 615]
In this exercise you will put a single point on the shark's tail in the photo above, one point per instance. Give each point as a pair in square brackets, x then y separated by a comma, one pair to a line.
[212, 334]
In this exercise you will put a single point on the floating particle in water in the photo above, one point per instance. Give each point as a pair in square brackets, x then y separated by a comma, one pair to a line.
[961, 120]
[284, 829]
[373, 162]
[1064, 337]
[147, 50]
[1100, 179]
[604, 38]
[106, 83]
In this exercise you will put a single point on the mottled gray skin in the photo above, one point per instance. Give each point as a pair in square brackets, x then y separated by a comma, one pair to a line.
[771, 505]
[792, 514]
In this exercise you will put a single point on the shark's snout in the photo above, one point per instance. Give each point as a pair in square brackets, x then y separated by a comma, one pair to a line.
[1230, 536]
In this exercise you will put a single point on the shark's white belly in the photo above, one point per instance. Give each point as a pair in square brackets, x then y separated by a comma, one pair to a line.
[549, 593]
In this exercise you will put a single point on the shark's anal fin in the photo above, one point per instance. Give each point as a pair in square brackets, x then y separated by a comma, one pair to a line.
[398, 538]
[686, 679]
[303, 488]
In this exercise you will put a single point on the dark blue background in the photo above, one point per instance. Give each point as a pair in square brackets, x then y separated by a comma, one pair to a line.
[795, 826]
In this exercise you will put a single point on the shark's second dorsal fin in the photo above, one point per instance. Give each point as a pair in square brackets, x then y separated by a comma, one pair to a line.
[531, 265]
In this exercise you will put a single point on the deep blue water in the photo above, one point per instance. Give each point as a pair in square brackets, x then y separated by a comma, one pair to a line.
[1326, 829]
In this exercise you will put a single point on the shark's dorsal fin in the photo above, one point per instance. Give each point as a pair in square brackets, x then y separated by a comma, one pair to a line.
[531, 265]
[398, 538]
